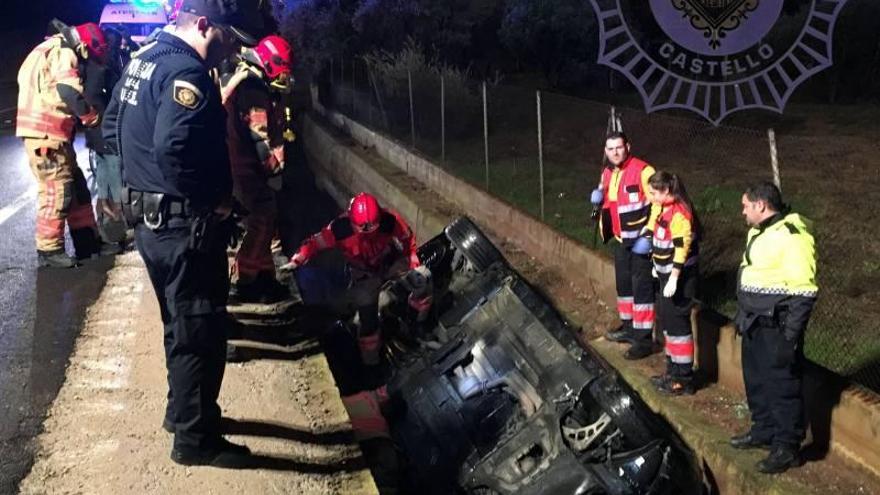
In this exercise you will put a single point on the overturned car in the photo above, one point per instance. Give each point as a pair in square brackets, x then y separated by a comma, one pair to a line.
[495, 395]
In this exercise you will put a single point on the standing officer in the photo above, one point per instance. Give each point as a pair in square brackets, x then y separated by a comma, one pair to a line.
[775, 296]
[622, 194]
[169, 125]
[256, 149]
[50, 102]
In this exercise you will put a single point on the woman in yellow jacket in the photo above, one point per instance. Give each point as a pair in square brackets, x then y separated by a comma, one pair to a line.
[674, 228]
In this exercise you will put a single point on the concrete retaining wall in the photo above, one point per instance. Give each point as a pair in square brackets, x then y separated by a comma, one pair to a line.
[848, 420]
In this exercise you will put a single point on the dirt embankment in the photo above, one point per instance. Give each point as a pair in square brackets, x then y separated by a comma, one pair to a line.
[103, 434]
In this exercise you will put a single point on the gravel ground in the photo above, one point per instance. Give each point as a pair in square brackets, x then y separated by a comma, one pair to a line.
[103, 434]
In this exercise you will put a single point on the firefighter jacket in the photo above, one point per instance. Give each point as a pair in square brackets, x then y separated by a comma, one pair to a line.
[372, 252]
[50, 92]
[674, 240]
[254, 131]
[777, 276]
[625, 209]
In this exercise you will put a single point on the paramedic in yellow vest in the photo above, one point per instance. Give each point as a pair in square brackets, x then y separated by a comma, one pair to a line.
[674, 229]
[50, 103]
[776, 293]
[622, 194]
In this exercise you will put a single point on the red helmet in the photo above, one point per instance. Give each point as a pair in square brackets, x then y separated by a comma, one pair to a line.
[275, 56]
[364, 213]
[91, 36]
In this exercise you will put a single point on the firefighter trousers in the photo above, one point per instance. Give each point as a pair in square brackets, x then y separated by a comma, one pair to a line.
[773, 391]
[192, 287]
[635, 293]
[62, 195]
[674, 320]
[255, 253]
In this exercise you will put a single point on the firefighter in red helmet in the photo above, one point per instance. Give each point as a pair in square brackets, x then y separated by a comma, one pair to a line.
[50, 106]
[250, 87]
[378, 246]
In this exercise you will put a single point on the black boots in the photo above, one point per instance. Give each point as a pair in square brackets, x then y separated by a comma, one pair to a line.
[747, 441]
[55, 259]
[779, 460]
[673, 385]
[219, 453]
[623, 333]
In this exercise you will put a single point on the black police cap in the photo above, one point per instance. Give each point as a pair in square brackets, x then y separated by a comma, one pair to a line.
[242, 17]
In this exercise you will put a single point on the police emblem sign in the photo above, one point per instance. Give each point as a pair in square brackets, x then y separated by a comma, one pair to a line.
[716, 57]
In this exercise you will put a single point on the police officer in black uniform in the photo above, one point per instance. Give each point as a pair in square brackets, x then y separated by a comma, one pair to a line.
[169, 127]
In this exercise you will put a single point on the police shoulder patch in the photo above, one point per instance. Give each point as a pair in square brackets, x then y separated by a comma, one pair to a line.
[187, 94]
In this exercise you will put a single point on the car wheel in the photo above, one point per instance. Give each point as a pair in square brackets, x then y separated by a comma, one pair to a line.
[626, 409]
[470, 241]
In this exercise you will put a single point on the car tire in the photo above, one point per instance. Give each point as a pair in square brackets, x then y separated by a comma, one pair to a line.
[626, 409]
[473, 244]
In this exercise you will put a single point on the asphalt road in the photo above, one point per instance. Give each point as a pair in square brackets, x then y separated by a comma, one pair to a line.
[40, 316]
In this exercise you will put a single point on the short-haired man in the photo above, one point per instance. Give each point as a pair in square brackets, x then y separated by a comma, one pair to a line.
[171, 134]
[622, 194]
[775, 295]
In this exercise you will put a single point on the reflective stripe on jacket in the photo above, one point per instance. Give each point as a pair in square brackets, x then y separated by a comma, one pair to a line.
[626, 208]
[370, 252]
[674, 245]
[42, 113]
[780, 258]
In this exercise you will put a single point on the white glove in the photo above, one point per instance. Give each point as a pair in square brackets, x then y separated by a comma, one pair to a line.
[654, 272]
[671, 286]
[295, 262]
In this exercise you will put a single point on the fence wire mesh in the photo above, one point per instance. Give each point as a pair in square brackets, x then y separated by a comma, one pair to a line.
[441, 116]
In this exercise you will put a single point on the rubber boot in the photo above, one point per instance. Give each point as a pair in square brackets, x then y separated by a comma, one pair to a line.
[55, 259]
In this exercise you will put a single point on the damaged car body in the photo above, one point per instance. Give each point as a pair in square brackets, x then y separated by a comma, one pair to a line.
[495, 394]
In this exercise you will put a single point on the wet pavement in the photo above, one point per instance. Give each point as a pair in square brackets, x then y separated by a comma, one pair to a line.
[40, 316]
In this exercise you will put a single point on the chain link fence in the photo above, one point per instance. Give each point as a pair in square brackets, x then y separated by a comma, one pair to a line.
[490, 134]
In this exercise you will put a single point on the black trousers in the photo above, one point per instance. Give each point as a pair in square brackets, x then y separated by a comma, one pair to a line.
[674, 320]
[192, 288]
[773, 391]
[635, 293]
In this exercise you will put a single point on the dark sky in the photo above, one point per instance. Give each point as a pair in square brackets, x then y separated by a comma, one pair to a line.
[38, 13]
[24, 24]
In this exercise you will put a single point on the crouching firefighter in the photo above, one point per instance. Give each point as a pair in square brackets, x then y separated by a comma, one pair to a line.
[256, 152]
[50, 104]
[378, 246]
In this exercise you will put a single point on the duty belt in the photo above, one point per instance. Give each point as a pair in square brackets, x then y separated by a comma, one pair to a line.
[155, 209]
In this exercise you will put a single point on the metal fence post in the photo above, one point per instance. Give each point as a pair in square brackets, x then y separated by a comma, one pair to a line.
[353, 87]
[442, 119]
[540, 151]
[412, 116]
[486, 134]
[774, 158]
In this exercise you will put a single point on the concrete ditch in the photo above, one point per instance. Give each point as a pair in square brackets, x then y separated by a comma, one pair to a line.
[428, 197]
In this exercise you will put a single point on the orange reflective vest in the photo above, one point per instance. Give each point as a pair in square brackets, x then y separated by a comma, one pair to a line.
[674, 240]
[42, 114]
[624, 217]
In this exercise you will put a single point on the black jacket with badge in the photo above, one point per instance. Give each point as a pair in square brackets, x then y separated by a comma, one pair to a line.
[167, 111]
